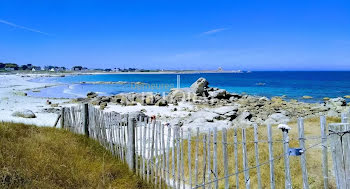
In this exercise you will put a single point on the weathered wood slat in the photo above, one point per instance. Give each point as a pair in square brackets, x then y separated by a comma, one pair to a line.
[204, 159]
[182, 159]
[209, 159]
[196, 158]
[215, 158]
[303, 155]
[178, 168]
[189, 157]
[224, 151]
[340, 146]
[271, 159]
[167, 156]
[245, 159]
[256, 147]
[288, 180]
[324, 151]
[235, 142]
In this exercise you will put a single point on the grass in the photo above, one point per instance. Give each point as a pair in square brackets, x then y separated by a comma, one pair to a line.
[38, 157]
[314, 165]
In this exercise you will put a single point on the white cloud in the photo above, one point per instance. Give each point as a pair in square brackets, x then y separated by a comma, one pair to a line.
[217, 30]
[22, 27]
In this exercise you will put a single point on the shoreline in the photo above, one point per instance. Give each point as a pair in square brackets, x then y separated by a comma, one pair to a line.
[185, 113]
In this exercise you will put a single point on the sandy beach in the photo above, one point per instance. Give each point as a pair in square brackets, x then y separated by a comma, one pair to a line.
[12, 99]
[189, 112]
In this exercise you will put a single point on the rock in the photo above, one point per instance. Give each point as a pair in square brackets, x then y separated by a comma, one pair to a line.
[307, 97]
[96, 102]
[220, 94]
[103, 105]
[336, 101]
[106, 99]
[199, 86]
[91, 94]
[150, 100]
[176, 95]
[137, 114]
[205, 115]
[244, 118]
[277, 118]
[54, 105]
[24, 113]
[131, 103]
[326, 98]
[319, 108]
[347, 96]
[225, 109]
[332, 113]
[264, 99]
[19, 93]
[162, 102]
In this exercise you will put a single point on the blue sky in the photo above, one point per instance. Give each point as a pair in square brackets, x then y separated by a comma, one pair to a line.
[169, 34]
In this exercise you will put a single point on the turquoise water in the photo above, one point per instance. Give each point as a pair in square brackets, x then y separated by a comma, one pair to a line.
[292, 84]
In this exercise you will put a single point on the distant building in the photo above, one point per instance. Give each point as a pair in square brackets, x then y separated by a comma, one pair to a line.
[77, 68]
[36, 68]
[10, 69]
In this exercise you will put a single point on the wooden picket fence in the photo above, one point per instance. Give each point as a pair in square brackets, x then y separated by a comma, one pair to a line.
[171, 157]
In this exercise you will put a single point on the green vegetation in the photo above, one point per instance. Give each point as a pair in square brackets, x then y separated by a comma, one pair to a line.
[38, 157]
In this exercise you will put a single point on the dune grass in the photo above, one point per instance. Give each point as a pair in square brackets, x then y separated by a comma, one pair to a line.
[314, 165]
[38, 157]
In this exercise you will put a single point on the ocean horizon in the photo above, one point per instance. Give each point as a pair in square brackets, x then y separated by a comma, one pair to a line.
[289, 84]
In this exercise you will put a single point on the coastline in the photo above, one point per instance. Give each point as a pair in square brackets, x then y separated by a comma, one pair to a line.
[244, 109]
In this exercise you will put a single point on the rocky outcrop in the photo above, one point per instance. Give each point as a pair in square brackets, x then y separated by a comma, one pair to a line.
[336, 102]
[91, 94]
[200, 86]
[24, 113]
[214, 104]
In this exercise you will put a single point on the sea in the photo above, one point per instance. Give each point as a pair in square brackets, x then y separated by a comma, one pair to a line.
[289, 84]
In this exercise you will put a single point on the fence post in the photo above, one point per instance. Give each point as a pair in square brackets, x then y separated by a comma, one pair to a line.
[324, 151]
[271, 159]
[224, 150]
[62, 117]
[303, 155]
[86, 119]
[131, 144]
[256, 145]
[235, 141]
[340, 147]
[288, 181]
[245, 160]
[344, 117]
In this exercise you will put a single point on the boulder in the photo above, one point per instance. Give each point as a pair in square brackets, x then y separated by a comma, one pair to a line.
[162, 102]
[307, 97]
[204, 115]
[91, 94]
[225, 109]
[277, 118]
[176, 95]
[332, 113]
[137, 114]
[244, 118]
[24, 113]
[103, 105]
[220, 94]
[150, 100]
[199, 86]
[337, 101]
